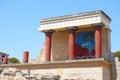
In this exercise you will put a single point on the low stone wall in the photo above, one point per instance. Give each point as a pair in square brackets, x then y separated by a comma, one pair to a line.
[87, 69]
[17, 74]
[66, 74]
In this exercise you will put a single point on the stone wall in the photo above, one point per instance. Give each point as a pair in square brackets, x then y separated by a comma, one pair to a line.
[40, 58]
[18, 74]
[55, 74]
[106, 46]
[60, 46]
[117, 59]
[87, 69]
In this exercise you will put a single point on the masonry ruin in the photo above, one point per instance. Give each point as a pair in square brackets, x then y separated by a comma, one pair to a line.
[77, 47]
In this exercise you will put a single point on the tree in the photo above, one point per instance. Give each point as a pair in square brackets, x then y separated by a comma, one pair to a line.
[13, 60]
[117, 54]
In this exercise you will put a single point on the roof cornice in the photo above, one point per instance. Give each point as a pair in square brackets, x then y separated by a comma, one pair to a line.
[73, 16]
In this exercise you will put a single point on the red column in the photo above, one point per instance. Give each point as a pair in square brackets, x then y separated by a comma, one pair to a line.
[25, 56]
[98, 42]
[48, 46]
[71, 44]
[5, 60]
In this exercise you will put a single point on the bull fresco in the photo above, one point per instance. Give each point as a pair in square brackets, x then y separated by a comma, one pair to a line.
[85, 44]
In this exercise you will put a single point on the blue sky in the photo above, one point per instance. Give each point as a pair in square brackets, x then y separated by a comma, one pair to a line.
[20, 20]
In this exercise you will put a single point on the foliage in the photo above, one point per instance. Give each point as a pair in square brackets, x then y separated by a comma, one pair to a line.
[13, 60]
[117, 54]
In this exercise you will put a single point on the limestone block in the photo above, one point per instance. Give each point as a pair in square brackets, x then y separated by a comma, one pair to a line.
[117, 63]
[25, 71]
[83, 73]
[117, 59]
[1, 69]
[118, 68]
[19, 74]
[9, 72]
[118, 75]
[19, 78]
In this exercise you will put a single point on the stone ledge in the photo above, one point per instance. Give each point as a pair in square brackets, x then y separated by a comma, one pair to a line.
[61, 64]
[81, 20]
[67, 17]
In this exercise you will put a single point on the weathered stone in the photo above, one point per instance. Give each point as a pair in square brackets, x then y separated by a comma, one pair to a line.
[117, 65]
[50, 77]
[1, 69]
[18, 73]
[9, 72]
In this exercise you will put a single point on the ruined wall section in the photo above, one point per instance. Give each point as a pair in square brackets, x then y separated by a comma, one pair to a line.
[25, 74]
[40, 58]
[59, 49]
[97, 69]
[106, 74]
[106, 47]
[54, 74]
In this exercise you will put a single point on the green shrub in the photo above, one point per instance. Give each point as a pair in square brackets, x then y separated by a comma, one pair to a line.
[14, 60]
[117, 54]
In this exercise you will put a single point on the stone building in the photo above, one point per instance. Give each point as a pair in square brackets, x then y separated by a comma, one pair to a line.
[85, 35]
[83, 39]
[77, 47]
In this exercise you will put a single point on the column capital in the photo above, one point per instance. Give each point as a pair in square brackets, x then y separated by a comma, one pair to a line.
[98, 25]
[48, 31]
[71, 29]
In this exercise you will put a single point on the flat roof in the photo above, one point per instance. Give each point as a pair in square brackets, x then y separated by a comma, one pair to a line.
[54, 19]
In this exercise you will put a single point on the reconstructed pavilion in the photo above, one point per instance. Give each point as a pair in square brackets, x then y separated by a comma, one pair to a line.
[77, 47]
[77, 36]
